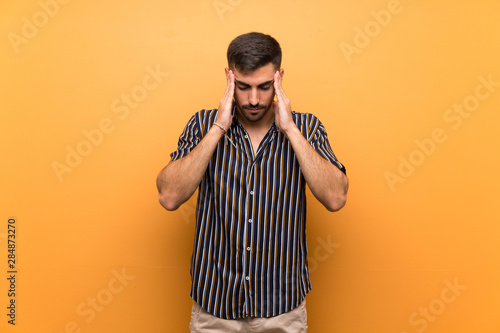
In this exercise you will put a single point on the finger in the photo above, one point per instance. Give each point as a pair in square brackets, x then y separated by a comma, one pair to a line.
[277, 85]
[229, 86]
[277, 80]
[231, 82]
[280, 94]
[227, 100]
[228, 83]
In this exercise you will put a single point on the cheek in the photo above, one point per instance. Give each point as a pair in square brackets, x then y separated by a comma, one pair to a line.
[268, 96]
[238, 96]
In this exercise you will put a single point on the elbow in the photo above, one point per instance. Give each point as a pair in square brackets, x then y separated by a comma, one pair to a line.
[167, 198]
[338, 198]
[336, 203]
[168, 202]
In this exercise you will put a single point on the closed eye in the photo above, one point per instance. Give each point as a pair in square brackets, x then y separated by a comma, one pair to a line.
[263, 86]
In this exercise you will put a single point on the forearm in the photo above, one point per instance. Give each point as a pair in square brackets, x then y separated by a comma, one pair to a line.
[179, 179]
[327, 182]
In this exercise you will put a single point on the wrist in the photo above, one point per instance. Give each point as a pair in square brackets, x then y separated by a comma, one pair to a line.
[217, 131]
[291, 130]
[222, 131]
[219, 126]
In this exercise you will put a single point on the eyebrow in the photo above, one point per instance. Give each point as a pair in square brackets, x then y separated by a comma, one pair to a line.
[260, 85]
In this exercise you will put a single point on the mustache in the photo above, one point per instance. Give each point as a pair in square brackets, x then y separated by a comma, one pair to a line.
[254, 107]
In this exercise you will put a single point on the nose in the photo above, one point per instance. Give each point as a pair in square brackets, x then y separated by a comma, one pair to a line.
[254, 98]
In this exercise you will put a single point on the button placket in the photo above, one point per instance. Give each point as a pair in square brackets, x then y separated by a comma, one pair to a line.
[249, 233]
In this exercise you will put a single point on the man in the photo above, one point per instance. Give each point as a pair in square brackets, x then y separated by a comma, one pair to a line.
[250, 160]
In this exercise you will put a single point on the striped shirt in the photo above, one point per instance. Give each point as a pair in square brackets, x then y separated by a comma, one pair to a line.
[250, 249]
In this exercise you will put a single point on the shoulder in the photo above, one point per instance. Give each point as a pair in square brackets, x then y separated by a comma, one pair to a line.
[304, 117]
[307, 122]
[199, 122]
[205, 115]
[204, 119]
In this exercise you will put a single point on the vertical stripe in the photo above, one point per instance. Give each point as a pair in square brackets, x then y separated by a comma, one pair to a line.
[251, 220]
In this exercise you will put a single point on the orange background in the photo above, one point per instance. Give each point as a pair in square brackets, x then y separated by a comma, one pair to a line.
[415, 249]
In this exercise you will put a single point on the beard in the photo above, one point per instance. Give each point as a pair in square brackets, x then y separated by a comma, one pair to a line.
[254, 117]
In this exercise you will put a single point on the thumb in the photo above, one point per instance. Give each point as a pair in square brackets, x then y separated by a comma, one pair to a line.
[276, 106]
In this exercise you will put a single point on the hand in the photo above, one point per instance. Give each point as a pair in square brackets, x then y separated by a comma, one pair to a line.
[224, 114]
[282, 108]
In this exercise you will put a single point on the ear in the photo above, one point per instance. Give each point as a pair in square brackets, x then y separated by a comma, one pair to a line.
[226, 70]
[282, 72]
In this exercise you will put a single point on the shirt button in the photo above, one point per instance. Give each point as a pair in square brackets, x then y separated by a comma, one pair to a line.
[251, 192]
[249, 248]
[250, 221]
[246, 136]
[247, 278]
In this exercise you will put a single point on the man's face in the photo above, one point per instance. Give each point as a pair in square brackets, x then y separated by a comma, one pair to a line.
[254, 93]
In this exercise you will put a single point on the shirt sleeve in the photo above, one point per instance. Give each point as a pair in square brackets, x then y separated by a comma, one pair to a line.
[318, 138]
[188, 140]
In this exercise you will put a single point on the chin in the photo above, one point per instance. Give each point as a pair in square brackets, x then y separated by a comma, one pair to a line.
[255, 117]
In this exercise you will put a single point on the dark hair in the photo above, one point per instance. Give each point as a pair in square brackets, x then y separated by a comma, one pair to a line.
[253, 50]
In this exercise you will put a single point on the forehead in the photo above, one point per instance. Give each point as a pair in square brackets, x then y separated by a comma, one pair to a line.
[257, 77]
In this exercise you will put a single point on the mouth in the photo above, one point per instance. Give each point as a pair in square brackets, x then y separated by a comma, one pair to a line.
[254, 110]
